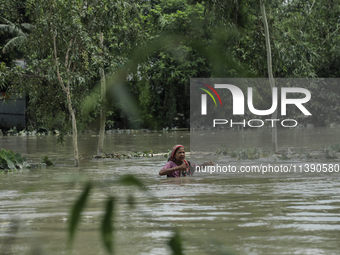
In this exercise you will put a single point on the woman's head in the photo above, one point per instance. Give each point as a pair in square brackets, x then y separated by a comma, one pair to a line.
[177, 153]
[180, 154]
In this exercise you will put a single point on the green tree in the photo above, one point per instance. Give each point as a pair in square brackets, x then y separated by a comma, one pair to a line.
[193, 46]
[112, 21]
[14, 28]
[20, 34]
[66, 55]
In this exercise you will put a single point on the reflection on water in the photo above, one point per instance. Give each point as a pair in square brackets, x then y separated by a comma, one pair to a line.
[35, 146]
[302, 138]
[213, 212]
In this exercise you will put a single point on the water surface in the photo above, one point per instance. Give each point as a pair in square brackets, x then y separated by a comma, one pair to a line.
[246, 214]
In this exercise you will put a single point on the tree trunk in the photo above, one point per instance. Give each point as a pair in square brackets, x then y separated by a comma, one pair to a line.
[67, 91]
[102, 110]
[74, 128]
[270, 71]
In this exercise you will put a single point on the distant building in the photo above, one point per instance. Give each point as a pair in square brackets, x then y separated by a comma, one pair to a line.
[13, 108]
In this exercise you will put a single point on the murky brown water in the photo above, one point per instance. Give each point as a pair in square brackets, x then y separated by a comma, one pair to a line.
[253, 215]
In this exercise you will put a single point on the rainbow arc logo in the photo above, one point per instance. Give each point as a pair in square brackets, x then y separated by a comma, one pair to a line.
[204, 97]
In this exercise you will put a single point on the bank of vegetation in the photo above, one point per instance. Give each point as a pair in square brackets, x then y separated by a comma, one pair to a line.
[68, 45]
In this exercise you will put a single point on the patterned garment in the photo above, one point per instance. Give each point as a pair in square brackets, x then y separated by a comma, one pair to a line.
[171, 164]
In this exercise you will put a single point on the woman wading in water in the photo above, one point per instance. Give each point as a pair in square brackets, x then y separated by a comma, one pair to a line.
[178, 166]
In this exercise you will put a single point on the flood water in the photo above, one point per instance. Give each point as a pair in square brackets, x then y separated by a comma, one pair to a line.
[293, 214]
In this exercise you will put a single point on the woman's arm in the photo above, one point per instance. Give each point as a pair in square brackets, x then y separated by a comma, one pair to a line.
[193, 166]
[208, 163]
[168, 171]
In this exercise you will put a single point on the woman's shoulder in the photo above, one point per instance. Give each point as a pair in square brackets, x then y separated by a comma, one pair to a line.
[169, 164]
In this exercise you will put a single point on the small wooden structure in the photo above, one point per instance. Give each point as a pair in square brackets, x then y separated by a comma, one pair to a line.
[13, 107]
[12, 112]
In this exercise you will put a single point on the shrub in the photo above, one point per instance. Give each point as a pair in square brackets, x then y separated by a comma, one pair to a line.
[12, 161]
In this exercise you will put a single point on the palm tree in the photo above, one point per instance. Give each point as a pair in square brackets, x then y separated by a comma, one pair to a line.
[20, 34]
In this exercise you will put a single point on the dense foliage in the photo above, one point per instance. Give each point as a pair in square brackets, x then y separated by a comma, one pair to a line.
[200, 39]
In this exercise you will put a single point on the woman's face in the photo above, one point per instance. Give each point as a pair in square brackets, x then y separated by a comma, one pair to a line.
[180, 154]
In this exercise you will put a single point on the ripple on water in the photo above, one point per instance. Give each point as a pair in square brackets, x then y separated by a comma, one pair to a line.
[247, 214]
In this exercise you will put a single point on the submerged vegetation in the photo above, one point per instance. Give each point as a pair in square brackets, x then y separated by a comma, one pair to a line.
[46, 161]
[250, 153]
[10, 161]
[327, 152]
[127, 155]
